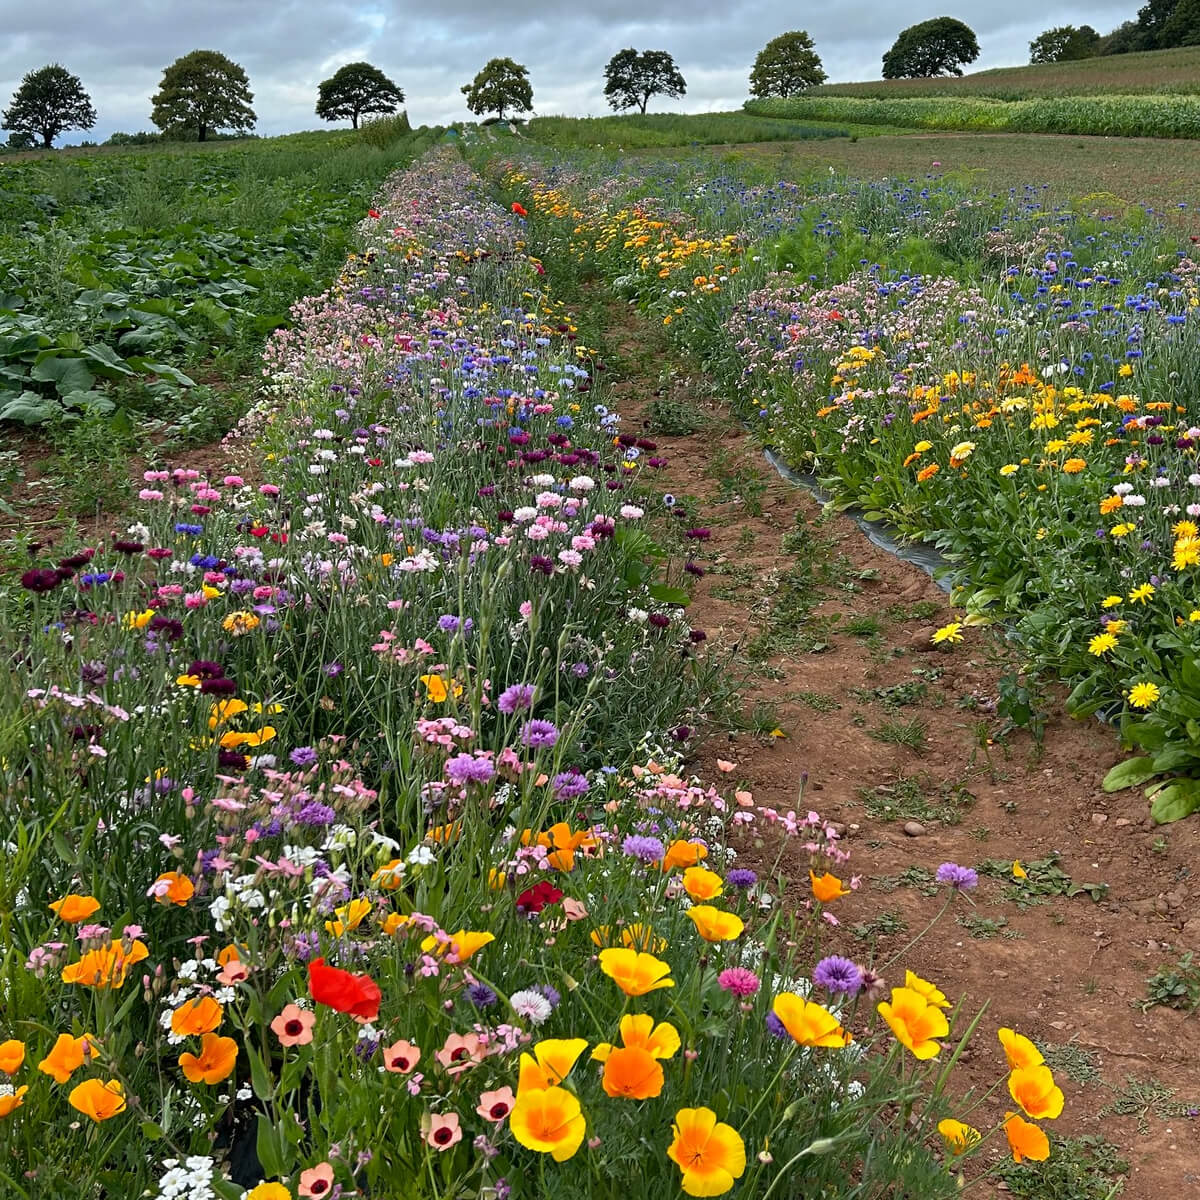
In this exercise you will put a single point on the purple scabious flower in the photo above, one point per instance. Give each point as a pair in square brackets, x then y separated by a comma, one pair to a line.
[775, 1026]
[481, 995]
[316, 814]
[962, 879]
[303, 756]
[517, 697]
[448, 623]
[741, 877]
[570, 784]
[836, 974]
[648, 849]
[466, 768]
[539, 735]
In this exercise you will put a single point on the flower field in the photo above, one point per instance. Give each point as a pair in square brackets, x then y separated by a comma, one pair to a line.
[1006, 378]
[349, 846]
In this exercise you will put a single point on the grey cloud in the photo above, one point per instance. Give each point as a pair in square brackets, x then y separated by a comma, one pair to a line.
[288, 46]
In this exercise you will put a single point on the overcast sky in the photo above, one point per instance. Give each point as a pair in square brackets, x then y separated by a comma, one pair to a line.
[288, 46]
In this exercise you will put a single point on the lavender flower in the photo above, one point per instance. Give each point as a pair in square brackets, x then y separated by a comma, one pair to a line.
[303, 756]
[539, 735]
[962, 879]
[517, 697]
[481, 995]
[741, 877]
[648, 849]
[837, 974]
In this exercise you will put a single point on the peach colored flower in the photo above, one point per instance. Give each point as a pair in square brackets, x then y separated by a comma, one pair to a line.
[293, 1026]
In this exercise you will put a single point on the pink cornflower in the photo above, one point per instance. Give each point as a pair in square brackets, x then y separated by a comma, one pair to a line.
[738, 980]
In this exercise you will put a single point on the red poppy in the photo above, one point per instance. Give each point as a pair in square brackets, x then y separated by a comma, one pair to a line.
[259, 530]
[519, 210]
[537, 897]
[358, 995]
[834, 315]
[374, 213]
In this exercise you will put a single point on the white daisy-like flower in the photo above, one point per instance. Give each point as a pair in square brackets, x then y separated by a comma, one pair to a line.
[533, 1006]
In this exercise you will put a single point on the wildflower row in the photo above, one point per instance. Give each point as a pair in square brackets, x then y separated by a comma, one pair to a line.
[348, 850]
[1009, 381]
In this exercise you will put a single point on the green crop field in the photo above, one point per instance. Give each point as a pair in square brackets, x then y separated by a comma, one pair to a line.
[673, 129]
[1166, 71]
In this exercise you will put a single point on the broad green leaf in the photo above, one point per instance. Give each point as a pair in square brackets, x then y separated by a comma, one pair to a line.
[1176, 801]
[67, 374]
[1133, 772]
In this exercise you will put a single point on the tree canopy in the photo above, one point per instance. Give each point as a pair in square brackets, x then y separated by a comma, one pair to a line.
[355, 89]
[1063, 44]
[202, 93]
[941, 46]
[48, 102]
[501, 85]
[632, 77]
[786, 66]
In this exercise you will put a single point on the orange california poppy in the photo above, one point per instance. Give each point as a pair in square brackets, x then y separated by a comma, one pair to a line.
[215, 1061]
[12, 1101]
[827, 887]
[684, 854]
[74, 908]
[98, 1100]
[179, 889]
[12, 1055]
[635, 972]
[915, 1022]
[548, 1120]
[632, 1073]
[550, 1063]
[194, 1017]
[714, 925]
[809, 1023]
[1019, 1050]
[106, 966]
[1026, 1141]
[710, 1154]
[702, 884]
[1034, 1089]
[66, 1055]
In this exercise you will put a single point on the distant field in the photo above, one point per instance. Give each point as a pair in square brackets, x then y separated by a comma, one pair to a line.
[672, 129]
[1165, 71]
[1157, 116]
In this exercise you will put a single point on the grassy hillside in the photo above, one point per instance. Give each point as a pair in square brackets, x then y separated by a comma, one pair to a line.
[1166, 71]
[671, 129]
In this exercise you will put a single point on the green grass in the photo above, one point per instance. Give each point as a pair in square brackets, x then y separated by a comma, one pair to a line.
[1161, 71]
[672, 129]
[1108, 115]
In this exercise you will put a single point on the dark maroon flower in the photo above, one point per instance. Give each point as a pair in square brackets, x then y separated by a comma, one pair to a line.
[218, 687]
[505, 515]
[539, 562]
[694, 569]
[75, 561]
[128, 547]
[656, 463]
[536, 898]
[40, 579]
[699, 535]
[697, 636]
[644, 444]
[659, 621]
[206, 669]
[230, 758]
[171, 629]
[681, 733]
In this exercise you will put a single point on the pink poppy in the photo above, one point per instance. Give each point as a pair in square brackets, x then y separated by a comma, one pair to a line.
[401, 1057]
[495, 1106]
[316, 1181]
[234, 971]
[460, 1053]
[293, 1026]
[441, 1130]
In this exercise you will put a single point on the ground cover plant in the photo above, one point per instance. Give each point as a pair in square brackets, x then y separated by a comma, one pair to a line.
[1002, 377]
[349, 847]
[672, 129]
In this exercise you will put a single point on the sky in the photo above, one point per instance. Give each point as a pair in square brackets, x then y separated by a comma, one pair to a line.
[288, 46]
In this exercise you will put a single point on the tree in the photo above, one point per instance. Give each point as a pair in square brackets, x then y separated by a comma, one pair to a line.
[1125, 39]
[49, 101]
[501, 84]
[202, 93]
[355, 89]
[942, 46]
[632, 78]
[786, 66]
[1182, 27]
[1153, 20]
[1064, 43]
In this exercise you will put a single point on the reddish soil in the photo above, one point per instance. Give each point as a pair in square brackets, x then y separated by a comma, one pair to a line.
[1069, 972]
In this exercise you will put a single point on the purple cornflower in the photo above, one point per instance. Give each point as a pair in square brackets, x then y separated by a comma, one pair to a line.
[518, 696]
[315, 813]
[648, 849]
[962, 879]
[539, 735]
[741, 877]
[481, 995]
[775, 1026]
[333, 669]
[303, 756]
[448, 623]
[570, 784]
[837, 974]
[551, 994]
[466, 768]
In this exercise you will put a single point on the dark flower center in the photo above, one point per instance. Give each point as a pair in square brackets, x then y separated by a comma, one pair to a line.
[294, 1028]
[442, 1136]
[400, 1062]
[498, 1110]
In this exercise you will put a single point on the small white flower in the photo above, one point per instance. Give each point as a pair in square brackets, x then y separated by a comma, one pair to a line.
[533, 1006]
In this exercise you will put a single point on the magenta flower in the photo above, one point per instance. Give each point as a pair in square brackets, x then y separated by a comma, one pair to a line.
[739, 981]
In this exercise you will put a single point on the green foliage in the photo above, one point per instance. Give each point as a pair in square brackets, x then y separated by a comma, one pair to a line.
[1064, 43]
[786, 66]
[382, 132]
[1079, 1168]
[201, 93]
[672, 129]
[48, 102]
[502, 85]
[355, 89]
[633, 76]
[940, 46]
[1110, 116]
[1175, 986]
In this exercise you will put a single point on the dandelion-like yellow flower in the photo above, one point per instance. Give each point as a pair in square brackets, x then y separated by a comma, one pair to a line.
[948, 633]
[1142, 593]
[1101, 644]
[1143, 695]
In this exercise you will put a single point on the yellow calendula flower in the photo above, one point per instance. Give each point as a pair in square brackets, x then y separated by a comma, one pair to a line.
[1112, 601]
[1120, 531]
[1143, 695]
[241, 623]
[921, 447]
[948, 633]
[1009, 469]
[138, 620]
[1142, 593]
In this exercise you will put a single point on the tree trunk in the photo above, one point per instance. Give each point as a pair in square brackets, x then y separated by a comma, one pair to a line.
[645, 101]
[203, 133]
[354, 120]
[47, 140]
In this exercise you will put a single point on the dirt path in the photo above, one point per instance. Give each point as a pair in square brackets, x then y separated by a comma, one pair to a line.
[833, 637]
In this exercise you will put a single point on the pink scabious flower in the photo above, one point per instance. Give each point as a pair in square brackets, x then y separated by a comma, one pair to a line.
[739, 981]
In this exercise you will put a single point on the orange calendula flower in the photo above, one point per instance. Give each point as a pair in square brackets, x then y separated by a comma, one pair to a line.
[74, 908]
[390, 876]
[172, 887]
[97, 1100]
[915, 1022]
[1019, 1050]
[1034, 1089]
[702, 884]
[550, 1063]
[924, 988]
[684, 854]
[12, 1055]
[714, 925]
[928, 472]
[635, 972]
[809, 1024]
[66, 1055]
[106, 966]
[826, 887]
[959, 1138]
[215, 1061]
[639, 1029]
[1025, 1140]
[548, 1120]
[194, 1017]
[710, 1154]
[632, 1073]
[11, 1101]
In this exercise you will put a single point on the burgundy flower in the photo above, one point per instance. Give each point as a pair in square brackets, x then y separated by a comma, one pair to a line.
[40, 579]
[534, 899]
